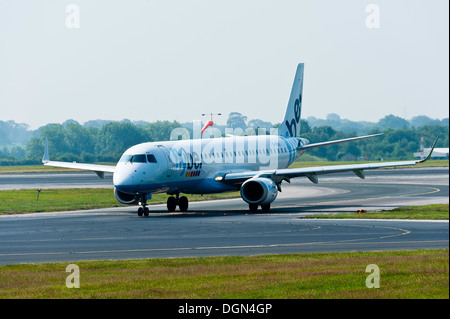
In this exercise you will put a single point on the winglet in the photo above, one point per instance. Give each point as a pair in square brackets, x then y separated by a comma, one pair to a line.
[46, 158]
[431, 152]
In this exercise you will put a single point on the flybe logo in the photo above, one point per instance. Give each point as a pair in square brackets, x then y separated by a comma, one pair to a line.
[188, 166]
[192, 174]
[292, 126]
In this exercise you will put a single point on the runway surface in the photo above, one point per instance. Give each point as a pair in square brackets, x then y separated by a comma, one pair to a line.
[225, 227]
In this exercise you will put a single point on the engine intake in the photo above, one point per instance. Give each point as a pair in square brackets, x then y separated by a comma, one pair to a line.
[124, 198]
[259, 190]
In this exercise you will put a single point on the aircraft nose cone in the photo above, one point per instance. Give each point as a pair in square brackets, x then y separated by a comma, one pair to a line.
[121, 180]
[124, 181]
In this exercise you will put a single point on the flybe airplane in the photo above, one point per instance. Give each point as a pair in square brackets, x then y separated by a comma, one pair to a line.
[256, 165]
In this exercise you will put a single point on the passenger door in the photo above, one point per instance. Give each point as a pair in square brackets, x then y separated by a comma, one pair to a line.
[170, 166]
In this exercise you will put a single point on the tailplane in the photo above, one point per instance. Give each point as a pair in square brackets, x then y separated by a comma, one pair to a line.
[290, 127]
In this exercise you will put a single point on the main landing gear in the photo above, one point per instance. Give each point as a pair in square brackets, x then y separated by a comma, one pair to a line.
[254, 208]
[182, 202]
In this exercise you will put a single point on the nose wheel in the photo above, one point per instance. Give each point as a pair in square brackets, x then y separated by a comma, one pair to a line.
[143, 210]
[182, 202]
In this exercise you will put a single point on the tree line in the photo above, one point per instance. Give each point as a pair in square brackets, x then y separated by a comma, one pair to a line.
[395, 144]
[74, 142]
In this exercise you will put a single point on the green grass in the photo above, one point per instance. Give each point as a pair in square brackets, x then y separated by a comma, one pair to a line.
[51, 200]
[403, 274]
[25, 201]
[434, 211]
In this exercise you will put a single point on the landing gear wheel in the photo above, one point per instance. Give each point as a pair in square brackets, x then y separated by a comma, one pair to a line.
[143, 210]
[253, 207]
[171, 204]
[265, 208]
[183, 203]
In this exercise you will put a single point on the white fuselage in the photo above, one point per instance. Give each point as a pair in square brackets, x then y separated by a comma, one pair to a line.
[191, 166]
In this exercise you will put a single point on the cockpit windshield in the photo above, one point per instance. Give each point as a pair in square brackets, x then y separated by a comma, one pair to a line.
[125, 158]
[138, 158]
[151, 158]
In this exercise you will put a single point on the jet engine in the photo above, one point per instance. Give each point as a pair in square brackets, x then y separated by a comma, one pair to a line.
[124, 198]
[259, 191]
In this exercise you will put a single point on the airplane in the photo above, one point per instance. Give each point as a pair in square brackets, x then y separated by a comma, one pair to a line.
[255, 165]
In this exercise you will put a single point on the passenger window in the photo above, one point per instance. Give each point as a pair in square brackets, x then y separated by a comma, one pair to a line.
[138, 159]
[151, 158]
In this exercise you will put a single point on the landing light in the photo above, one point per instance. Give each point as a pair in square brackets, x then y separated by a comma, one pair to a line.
[218, 178]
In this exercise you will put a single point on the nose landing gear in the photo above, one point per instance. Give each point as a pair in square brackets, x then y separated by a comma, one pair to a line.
[144, 209]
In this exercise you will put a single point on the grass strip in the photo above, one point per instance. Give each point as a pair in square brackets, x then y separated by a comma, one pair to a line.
[64, 199]
[403, 274]
[51, 200]
[433, 211]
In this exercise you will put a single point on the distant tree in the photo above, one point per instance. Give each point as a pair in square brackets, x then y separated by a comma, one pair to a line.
[96, 123]
[333, 117]
[304, 127]
[14, 133]
[431, 132]
[4, 139]
[160, 130]
[422, 120]
[392, 121]
[78, 139]
[236, 119]
[55, 133]
[114, 138]
[35, 149]
[260, 124]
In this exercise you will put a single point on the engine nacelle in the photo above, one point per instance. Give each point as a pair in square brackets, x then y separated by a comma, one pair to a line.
[124, 198]
[259, 190]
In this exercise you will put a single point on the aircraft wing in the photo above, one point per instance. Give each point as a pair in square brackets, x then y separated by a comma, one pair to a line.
[100, 170]
[313, 172]
[308, 146]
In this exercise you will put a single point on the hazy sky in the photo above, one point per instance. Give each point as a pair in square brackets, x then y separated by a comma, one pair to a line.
[174, 60]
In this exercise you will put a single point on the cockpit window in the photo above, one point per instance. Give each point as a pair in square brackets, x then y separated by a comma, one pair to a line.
[125, 158]
[138, 159]
[151, 158]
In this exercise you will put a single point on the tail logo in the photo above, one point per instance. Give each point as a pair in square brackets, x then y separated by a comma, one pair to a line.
[296, 119]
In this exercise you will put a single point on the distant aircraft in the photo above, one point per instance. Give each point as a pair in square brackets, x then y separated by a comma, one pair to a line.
[256, 165]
